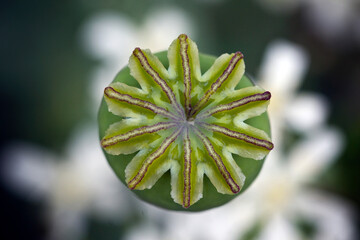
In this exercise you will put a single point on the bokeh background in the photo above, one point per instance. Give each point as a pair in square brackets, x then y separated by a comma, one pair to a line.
[57, 56]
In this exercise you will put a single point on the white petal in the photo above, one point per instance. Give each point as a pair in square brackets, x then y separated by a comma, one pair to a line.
[283, 67]
[315, 153]
[98, 189]
[144, 231]
[163, 26]
[332, 216]
[108, 35]
[100, 78]
[69, 225]
[307, 112]
[230, 220]
[331, 19]
[279, 228]
[29, 170]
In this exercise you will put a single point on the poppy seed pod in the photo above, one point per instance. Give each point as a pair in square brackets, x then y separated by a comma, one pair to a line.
[172, 118]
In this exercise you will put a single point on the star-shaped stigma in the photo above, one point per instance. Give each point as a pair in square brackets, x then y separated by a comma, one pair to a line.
[186, 122]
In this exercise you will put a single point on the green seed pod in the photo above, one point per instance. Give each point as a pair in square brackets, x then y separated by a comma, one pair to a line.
[170, 119]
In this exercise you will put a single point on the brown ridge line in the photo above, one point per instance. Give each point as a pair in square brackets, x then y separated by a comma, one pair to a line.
[238, 103]
[218, 161]
[184, 46]
[240, 136]
[153, 156]
[138, 102]
[224, 76]
[107, 142]
[155, 75]
[187, 170]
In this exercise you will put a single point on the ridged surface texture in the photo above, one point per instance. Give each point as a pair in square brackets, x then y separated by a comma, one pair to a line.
[185, 122]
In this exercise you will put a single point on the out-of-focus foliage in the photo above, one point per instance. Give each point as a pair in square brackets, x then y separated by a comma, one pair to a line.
[56, 57]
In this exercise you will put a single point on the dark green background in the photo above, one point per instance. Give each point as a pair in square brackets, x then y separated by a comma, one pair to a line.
[44, 69]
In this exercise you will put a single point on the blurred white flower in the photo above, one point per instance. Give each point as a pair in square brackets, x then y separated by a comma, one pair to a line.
[73, 187]
[148, 232]
[328, 214]
[25, 168]
[107, 36]
[214, 224]
[287, 173]
[282, 72]
[301, 115]
[334, 21]
[111, 37]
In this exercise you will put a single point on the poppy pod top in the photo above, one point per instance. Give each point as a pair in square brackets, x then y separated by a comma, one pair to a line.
[186, 131]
